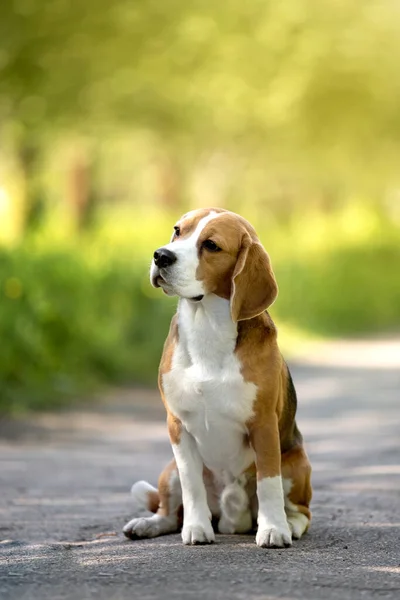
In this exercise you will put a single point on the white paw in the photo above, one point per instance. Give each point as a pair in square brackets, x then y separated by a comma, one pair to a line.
[141, 527]
[149, 527]
[274, 537]
[298, 524]
[198, 533]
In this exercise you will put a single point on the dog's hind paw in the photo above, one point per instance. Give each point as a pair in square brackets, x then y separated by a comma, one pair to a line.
[149, 527]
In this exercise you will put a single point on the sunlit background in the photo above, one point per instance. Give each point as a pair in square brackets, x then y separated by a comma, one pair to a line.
[116, 117]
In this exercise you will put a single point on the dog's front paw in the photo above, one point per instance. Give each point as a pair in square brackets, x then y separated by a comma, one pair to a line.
[274, 537]
[198, 533]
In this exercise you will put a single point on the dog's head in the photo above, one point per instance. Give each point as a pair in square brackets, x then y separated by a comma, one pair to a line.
[214, 251]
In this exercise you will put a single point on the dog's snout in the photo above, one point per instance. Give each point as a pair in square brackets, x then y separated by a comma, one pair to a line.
[164, 258]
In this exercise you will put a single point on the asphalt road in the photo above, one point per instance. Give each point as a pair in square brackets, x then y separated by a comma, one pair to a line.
[65, 479]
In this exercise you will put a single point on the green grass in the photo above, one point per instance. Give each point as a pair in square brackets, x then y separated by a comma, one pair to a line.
[76, 317]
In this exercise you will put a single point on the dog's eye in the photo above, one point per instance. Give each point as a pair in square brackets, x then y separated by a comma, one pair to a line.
[211, 246]
[177, 231]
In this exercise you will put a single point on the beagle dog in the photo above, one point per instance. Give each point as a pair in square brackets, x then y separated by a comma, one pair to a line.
[239, 458]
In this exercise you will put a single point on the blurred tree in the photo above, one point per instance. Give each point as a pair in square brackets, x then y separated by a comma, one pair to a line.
[311, 84]
[41, 78]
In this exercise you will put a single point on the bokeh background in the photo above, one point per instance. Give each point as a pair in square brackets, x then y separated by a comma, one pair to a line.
[115, 117]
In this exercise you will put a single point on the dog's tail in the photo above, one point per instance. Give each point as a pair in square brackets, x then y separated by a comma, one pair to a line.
[145, 499]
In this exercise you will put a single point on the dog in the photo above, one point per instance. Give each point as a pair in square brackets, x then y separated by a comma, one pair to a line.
[239, 458]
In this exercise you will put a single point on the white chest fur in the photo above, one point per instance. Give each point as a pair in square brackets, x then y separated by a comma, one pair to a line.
[205, 388]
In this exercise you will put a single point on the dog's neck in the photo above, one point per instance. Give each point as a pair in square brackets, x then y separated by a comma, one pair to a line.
[207, 332]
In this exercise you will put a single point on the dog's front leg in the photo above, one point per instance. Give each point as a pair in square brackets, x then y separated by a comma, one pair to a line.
[273, 529]
[197, 528]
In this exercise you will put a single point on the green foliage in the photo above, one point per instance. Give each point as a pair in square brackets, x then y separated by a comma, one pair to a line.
[231, 102]
[278, 77]
[68, 326]
[350, 291]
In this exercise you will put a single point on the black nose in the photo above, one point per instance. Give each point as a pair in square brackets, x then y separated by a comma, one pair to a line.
[164, 258]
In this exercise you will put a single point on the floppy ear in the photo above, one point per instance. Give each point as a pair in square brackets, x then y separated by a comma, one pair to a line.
[253, 282]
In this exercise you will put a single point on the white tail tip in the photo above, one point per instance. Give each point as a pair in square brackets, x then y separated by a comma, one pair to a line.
[140, 496]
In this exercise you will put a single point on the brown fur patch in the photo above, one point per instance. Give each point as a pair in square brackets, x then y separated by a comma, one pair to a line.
[174, 428]
[264, 439]
[241, 270]
[164, 491]
[296, 466]
[260, 359]
[254, 287]
[153, 500]
[261, 364]
[168, 351]
[174, 424]
[216, 268]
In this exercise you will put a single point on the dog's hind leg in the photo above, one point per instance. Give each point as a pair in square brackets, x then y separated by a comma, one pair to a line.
[157, 512]
[296, 475]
